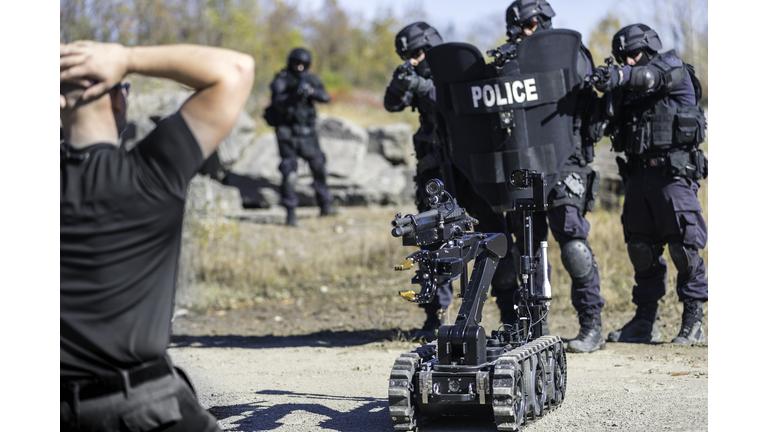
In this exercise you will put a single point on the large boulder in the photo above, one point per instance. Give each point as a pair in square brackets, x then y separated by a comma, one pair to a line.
[145, 110]
[340, 128]
[394, 142]
[355, 177]
[207, 195]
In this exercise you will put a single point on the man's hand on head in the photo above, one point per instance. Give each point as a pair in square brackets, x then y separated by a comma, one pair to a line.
[104, 63]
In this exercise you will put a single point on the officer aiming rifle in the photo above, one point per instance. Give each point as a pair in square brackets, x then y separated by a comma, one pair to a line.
[496, 125]
[412, 86]
[293, 114]
[659, 128]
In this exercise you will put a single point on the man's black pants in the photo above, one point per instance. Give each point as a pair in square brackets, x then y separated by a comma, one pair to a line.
[167, 403]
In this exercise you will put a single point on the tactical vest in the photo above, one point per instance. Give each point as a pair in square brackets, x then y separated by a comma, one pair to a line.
[649, 126]
[303, 111]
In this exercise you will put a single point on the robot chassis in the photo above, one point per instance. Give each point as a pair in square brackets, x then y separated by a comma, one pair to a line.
[516, 373]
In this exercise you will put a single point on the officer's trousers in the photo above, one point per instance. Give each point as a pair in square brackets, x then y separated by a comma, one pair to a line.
[292, 147]
[660, 209]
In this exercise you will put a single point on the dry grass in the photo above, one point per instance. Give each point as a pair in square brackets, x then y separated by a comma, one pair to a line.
[227, 263]
[232, 263]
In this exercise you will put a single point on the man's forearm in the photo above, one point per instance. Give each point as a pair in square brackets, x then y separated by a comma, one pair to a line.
[195, 66]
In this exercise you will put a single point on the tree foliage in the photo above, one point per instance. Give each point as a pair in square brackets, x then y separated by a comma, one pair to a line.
[348, 52]
[682, 25]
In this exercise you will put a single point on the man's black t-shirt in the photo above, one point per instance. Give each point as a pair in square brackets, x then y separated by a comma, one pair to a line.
[121, 216]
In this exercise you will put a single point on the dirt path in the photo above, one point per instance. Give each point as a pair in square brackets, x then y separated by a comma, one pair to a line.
[335, 378]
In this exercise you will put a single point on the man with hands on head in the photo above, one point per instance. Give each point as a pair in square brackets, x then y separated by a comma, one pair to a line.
[121, 216]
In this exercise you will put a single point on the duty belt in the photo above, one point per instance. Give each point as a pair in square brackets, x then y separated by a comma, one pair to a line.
[638, 163]
[93, 387]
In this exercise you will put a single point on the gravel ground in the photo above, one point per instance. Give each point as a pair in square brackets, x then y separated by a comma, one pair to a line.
[254, 377]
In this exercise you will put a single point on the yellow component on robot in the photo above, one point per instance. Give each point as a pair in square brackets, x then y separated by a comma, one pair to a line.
[407, 264]
[408, 295]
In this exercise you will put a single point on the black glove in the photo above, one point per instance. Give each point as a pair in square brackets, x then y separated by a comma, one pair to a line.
[304, 90]
[405, 80]
[608, 78]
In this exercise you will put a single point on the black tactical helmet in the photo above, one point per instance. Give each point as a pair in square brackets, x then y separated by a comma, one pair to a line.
[415, 37]
[635, 38]
[300, 55]
[521, 11]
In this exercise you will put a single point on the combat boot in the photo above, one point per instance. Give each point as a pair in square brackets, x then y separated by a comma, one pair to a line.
[328, 210]
[642, 328]
[590, 336]
[691, 331]
[291, 219]
[435, 318]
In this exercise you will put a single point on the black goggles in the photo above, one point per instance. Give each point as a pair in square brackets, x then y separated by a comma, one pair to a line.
[624, 55]
[412, 54]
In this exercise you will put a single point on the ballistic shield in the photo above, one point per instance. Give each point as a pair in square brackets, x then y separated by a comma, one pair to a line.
[520, 116]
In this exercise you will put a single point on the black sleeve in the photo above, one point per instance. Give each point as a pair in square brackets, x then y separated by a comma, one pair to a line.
[281, 98]
[319, 94]
[395, 100]
[170, 154]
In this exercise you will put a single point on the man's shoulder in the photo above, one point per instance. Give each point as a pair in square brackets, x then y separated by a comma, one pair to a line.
[280, 76]
[671, 58]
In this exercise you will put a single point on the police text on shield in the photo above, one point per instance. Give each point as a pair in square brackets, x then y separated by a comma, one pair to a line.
[515, 92]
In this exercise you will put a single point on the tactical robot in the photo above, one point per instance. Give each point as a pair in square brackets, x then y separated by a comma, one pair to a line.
[515, 373]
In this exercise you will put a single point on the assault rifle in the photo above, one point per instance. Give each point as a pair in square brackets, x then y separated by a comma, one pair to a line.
[405, 69]
[303, 88]
[502, 54]
[603, 75]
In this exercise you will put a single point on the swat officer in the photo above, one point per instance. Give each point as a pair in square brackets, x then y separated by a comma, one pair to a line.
[659, 126]
[570, 198]
[412, 86]
[294, 92]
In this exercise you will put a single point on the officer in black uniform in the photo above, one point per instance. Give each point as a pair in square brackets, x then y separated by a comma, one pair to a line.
[294, 92]
[659, 126]
[412, 86]
[571, 197]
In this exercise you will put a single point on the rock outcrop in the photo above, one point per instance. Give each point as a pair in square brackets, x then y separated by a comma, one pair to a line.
[373, 166]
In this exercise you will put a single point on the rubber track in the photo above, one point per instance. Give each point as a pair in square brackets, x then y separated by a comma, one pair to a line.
[402, 411]
[509, 410]
[507, 372]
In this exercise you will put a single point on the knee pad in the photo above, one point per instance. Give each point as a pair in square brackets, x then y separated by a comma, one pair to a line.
[578, 260]
[641, 254]
[288, 166]
[685, 258]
